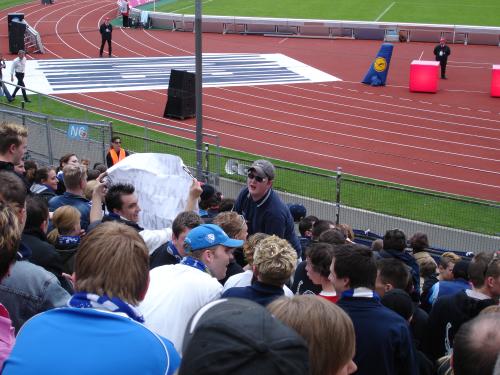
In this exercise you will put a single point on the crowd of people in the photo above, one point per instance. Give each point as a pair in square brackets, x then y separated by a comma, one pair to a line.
[235, 286]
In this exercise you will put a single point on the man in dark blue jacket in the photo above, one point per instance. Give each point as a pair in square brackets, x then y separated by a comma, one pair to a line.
[262, 208]
[383, 340]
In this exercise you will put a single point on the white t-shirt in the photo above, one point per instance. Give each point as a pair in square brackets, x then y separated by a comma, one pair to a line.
[245, 279]
[175, 293]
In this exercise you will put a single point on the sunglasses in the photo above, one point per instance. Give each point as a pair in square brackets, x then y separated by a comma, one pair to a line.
[252, 176]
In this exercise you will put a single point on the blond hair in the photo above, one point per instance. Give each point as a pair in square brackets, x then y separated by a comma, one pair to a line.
[64, 220]
[89, 189]
[249, 246]
[73, 175]
[10, 237]
[11, 134]
[274, 259]
[448, 257]
[113, 260]
[327, 329]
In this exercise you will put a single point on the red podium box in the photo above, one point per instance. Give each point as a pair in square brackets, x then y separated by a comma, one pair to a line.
[424, 76]
[495, 81]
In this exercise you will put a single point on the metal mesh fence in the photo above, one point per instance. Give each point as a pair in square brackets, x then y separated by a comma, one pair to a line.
[50, 137]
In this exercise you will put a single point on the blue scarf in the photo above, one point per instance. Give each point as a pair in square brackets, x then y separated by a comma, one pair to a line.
[68, 240]
[83, 300]
[195, 263]
[360, 293]
[172, 250]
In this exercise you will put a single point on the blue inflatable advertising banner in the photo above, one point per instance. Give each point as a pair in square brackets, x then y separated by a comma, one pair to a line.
[377, 74]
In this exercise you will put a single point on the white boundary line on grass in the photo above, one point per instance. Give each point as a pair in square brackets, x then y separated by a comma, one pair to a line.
[385, 11]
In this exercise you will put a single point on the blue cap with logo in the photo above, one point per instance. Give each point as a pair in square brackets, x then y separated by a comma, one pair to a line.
[209, 235]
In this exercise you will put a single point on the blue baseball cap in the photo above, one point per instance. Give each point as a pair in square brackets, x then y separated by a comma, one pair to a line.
[209, 235]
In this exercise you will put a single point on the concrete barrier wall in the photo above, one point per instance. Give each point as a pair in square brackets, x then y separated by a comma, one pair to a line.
[307, 28]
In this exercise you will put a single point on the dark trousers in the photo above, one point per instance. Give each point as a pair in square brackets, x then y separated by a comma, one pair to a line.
[102, 46]
[125, 21]
[20, 82]
[5, 91]
[443, 67]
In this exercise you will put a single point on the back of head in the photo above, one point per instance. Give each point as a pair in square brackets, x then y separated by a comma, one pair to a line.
[320, 255]
[306, 224]
[482, 266]
[327, 329]
[274, 259]
[210, 197]
[65, 218]
[427, 267]
[239, 337]
[398, 301]
[113, 198]
[298, 211]
[73, 176]
[476, 345]
[320, 226]
[42, 173]
[250, 244]
[10, 237]
[419, 242]
[11, 134]
[355, 262]
[113, 260]
[12, 189]
[461, 270]
[332, 236]
[185, 220]
[394, 239]
[37, 212]
[231, 222]
[346, 229]
[395, 272]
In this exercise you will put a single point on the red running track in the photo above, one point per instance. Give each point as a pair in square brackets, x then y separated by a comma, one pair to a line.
[449, 141]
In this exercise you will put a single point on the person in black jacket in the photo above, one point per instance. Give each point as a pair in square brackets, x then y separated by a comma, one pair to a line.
[34, 237]
[106, 30]
[450, 312]
[442, 51]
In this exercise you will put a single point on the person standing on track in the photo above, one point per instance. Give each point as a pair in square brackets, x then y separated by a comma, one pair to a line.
[3, 87]
[442, 51]
[106, 30]
[125, 10]
[18, 68]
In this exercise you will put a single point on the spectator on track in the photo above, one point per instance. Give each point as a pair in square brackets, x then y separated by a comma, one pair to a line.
[18, 69]
[442, 51]
[106, 30]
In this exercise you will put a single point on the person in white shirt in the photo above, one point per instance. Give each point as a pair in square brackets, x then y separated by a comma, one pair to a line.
[176, 292]
[18, 68]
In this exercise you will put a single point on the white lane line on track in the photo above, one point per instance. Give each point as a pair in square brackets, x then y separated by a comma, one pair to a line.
[331, 132]
[290, 148]
[150, 34]
[309, 107]
[386, 96]
[464, 108]
[445, 105]
[424, 110]
[484, 111]
[424, 102]
[409, 100]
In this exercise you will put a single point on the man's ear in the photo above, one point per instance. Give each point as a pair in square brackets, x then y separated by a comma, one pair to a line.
[346, 282]
[207, 257]
[12, 148]
[388, 287]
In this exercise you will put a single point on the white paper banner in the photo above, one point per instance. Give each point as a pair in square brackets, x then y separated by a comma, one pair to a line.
[161, 184]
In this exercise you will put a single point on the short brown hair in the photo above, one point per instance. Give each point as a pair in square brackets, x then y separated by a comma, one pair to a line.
[275, 260]
[11, 134]
[73, 175]
[427, 267]
[12, 189]
[231, 222]
[327, 329]
[113, 260]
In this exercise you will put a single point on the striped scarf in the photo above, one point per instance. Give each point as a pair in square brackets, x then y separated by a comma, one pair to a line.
[83, 300]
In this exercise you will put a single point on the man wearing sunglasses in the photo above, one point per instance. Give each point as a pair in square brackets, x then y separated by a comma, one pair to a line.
[116, 152]
[261, 206]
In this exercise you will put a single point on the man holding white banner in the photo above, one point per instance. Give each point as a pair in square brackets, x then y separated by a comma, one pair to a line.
[146, 192]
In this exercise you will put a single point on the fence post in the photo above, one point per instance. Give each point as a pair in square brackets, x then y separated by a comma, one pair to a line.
[23, 117]
[338, 180]
[146, 144]
[49, 141]
[207, 163]
[217, 161]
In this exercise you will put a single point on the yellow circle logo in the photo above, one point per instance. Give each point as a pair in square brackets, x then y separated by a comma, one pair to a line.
[380, 64]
